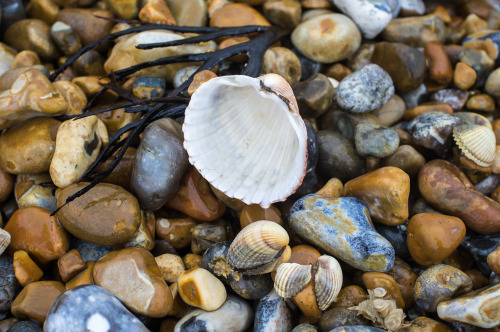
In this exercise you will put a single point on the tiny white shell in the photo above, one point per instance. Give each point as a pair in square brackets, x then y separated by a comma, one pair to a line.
[246, 137]
[4, 240]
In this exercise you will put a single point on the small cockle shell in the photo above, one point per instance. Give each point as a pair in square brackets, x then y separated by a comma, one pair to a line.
[259, 248]
[476, 142]
[4, 240]
[246, 137]
[292, 278]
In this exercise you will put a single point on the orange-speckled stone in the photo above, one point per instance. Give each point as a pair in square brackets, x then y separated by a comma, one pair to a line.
[372, 280]
[440, 69]
[200, 78]
[192, 261]
[446, 188]
[176, 230]
[385, 191]
[195, 199]
[350, 296]
[70, 264]
[106, 215]
[25, 269]
[33, 230]
[254, 212]
[433, 237]
[306, 301]
[333, 188]
[405, 278]
[133, 276]
[35, 299]
[464, 76]
[237, 14]
[6, 185]
[432, 106]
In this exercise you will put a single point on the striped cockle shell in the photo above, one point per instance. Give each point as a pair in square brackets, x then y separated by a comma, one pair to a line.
[476, 142]
[327, 281]
[245, 136]
[291, 279]
[258, 248]
[4, 240]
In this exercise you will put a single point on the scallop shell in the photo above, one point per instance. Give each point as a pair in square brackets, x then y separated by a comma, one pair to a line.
[327, 281]
[259, 246]
[246, 137]
[476, 142]
[4, 240]
[291, 279]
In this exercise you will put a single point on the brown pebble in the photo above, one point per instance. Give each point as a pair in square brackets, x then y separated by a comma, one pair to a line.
[237, 14]
[25, 269]
[6, 185]
[122, 172]
[304, 254]
[7, 323]
[252, 213]
[477, 278]
[81, 19]
[171, 267]
[316, 4]
[176, 230]
[405, 278]
[45, 10]
[35, 299]
[338, 71]
[431, 106]
[442, 13]
[282, 61]
[373, 280]
[25, 58]
[285, 13]
[200, 78]
[494, 260]
[74, 96]
[350, 296]
[440, 69]
[82, 278]
[464, 76]
[179, 307]
[481, 102]
[70, 264]
[333, 188]
[306, 301]
[406, 158]
[156, 11]
[191, 261]
[425, 324]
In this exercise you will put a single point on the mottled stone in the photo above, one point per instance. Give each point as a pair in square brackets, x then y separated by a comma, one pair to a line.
[356, 328]
[350, 296]
[200, 288]
[26, 326]
[439, 283]
[191, 261]
[171, 267]
[385, 192]
[342, 227]
[285, 13]
[90, 308]
[396, 235]
[340, 317]
[412, 7]
[404, 64]
[327, 38]
[80, 19]
[479, 247]
[159, 164]
[222, 319]
[375, 141]
[493, 260]
[481, 102]
[252, 287]
[480, 61]
[29, 147]
[282, 61]
[453, 97]
[156, 11]
[314, 95]
[406, 158]
[73, 94]
[465, 76]
[8, 282]
[370, 16]
[480, 308]
[34, 301]
[105, 215]
[118, 270]
[45, 241]
[365, 90]
[392, 112]
[338, 157]
[26, 58]
[415, 31]
[70, 264]
[178, 231]
[206, 234]
[65, 37]
[89, 251]
[373, 280]
[25, 269]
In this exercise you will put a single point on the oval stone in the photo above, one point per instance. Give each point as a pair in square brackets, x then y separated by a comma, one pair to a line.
[342, 227]
[327, 38]
[106, 215]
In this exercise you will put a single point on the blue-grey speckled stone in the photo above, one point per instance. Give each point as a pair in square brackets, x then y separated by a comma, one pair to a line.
[89, 251]
[272, 314]
[90, 308]
[375, 141]
[8, 283]
[342, 227]
[365, 90]
[26, 326]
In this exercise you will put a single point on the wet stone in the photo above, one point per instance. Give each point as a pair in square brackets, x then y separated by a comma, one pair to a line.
[406, 158]
[465, 76]
[31, 190]
[206, 234]
[412, 7]
[45, 10]
[171, 267]
[236, 14]
[405, 278]
[252, 287]
[481, 102]
[365, 90]
[453, 97]
[492, 85]
[480, 62]
[415, 31]
[25, 269]
[26, 58]
[82, 278]
[148, 87]
[350, 296]
[65, 38]
[370, 16]
[415, 97]
[8, 283]
[396, 235]
[314, 95]
[81, 19]
[89, 251]
[340, 317]
[309, 67]
[375, 141]
[392, 112]
[282, 61]
[6, 185]
[70, 264]
[90, 307]
[89, 64]
[111, 219]
[342, 227]
[178, 231]
[156, 11]
[271, 312]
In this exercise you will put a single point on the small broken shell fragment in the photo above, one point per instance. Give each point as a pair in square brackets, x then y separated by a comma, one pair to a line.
[476, 142]
[258, 248]
[254, 133]
[4, 240]
[291, 279]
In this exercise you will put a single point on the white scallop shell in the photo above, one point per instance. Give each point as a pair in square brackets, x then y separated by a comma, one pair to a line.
[4, 240]
[476, 142]
[246, 137]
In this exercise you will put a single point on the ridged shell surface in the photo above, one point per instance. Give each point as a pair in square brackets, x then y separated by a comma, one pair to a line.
[476, 142]
[291, 279]
[257, 244]
[327, 281]
[4, 240]
[473, 119]
[245, 136]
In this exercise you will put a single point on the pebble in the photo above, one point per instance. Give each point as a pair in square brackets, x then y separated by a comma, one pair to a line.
[404, 276]
[45, 10]
[171, 267]
[285, 13]
[108, 215]
[156, 11]
[440, 69]
[406, 158]
[415, 31]
[385, 192]
[480, 61]
[493, 260]
[370, 16]
[438, 178]
[6, 185]
[357, 328]
[80, 19]
[439, 283]
[118, 270]
[479, 308]
[350, 296]
[338, 157]
[82, 278]
[148, 87]
[479, 247]
[65, 38]
[492, 85]
[428, 107]
[273, 314]
[34, 301]
[433, 237]
[396, 235]
[252, 287]
[465, 76]
[178, 231]
[77, 146]
[375, 141]
[8, 283]
[373, 280]
[25, 269]
[425, 324]
[481, 102]
[26, 58]
[365, 90]
[412, 7]
[70, 264]
[305, 328]
[320, 220]
[89, 64]
[327, 38]
[282, 61]
[74, 96]
[314, 95]
[26, 326]
[89, 251]
[254, 212]
[454, 97]
[237, 14]
[340, 317]
[392, 112]
[29, 147]
[90, 308]
[206, 234]
[45, 241]
[333, 189]
[188, 12]
[404, 64]
[159, 164]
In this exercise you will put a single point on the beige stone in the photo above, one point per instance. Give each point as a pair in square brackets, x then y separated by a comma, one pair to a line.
[171, 266]
[200, 288]
[189, 12]
[73, 94]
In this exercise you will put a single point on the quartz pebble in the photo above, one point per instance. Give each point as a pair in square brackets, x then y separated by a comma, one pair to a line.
[90, 307]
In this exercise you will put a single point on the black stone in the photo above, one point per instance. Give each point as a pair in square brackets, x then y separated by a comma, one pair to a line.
[272, 311]
[26, 326]
[479, 247]
[9, 286]
[396, 235]
[89, 251]
[252, 287]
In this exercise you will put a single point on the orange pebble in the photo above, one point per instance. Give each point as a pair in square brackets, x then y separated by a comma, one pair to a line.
[70, 264]
[440, 69]
[432, 106]
[464, 76]
[25, 269]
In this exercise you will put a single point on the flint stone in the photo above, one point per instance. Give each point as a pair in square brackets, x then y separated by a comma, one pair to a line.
[8, 282]
[272, 314]
[342, 227]
[90, 308]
